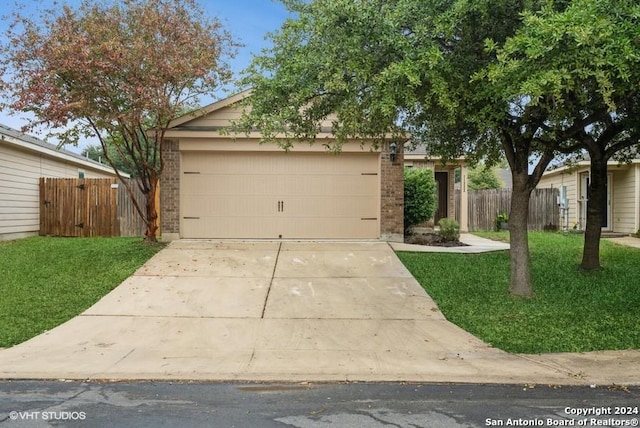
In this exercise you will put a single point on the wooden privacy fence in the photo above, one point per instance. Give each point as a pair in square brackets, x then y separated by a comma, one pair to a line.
[88, 207]
[484, 206]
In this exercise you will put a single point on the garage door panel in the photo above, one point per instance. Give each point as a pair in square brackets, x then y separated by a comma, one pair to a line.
[332, 207]
[230, 163]
[278, 194]
[224, 207]
[217, 184]
[215, 227]
[330, 185]
[325, 228]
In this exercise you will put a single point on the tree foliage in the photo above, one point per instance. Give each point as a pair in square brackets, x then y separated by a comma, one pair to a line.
[583, 63]
[112, 70]
[388, 66]
[96, 153]
[419, 196]
[457, 74]
[482, 177]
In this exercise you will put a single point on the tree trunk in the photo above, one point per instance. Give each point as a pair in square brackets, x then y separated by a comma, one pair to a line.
[151, 211]
[596, 203]
[520, 284]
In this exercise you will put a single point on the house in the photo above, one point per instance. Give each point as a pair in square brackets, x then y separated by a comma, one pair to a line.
[23, 160]
[231, 186]
[445, 184]
[622, 211]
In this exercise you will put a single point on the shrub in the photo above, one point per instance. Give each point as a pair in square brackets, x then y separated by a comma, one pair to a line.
[449, 229]
[501, 218]
[419, 196]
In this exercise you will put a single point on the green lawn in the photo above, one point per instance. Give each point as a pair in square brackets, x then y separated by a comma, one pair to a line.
[572, 311]
[46, 281]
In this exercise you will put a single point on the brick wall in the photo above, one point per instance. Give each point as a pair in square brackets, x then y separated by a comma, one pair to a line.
[452, 193]
[392, 195]
[170, 191]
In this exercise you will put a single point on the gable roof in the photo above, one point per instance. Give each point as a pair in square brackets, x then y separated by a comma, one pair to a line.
[413, 152]
[23, 141]
[208, 122]
[201, 112]
[194, 124]
[568, 169]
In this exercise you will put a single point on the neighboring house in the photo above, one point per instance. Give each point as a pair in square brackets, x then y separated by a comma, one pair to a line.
[622, 210]
[221, 186]
[445, 184]
[23, 160]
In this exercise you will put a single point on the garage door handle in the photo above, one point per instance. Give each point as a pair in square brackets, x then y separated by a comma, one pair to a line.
[280, 206]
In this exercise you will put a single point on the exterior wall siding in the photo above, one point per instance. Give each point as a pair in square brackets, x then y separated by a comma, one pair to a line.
[219, 118]
[570, 180]
[20, 171]
[623, 200]
[222, 117]
[624, 196]
[636, 214]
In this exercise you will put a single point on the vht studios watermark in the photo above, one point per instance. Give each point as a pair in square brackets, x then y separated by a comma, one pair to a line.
[577, 416]
[36, 415]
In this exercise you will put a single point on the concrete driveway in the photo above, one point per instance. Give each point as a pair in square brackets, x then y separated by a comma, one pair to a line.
[285, 311]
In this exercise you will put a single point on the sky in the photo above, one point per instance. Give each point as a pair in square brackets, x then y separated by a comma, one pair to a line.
[249, 21]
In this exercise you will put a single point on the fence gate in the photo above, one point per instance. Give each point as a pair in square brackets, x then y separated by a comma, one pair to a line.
[79, 207]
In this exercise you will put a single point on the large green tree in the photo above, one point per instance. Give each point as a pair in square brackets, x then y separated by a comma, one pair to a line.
[388, 66]
[427, 66]
[585, 58]
[111, 70]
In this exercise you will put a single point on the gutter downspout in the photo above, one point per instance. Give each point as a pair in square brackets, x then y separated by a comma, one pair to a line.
[637, 200]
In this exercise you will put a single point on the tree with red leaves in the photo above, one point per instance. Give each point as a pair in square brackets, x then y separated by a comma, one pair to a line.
[117, 71]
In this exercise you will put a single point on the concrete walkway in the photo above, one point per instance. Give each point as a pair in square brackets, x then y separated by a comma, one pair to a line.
[475, 244]
[629, 241]
[290, 311]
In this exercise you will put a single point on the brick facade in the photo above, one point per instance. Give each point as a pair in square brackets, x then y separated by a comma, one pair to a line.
[392, 195]
[170, 192]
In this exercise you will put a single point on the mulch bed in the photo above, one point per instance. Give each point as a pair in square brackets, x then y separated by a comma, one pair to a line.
[432, 239]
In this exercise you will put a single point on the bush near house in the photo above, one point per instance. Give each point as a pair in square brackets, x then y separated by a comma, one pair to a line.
[419, 196]
[449, 229]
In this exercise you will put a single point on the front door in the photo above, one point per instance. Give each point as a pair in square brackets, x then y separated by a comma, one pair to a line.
[442, 196]
[585, 181]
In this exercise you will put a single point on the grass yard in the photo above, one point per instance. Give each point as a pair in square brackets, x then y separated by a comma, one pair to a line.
[46, 281]
[572, 311]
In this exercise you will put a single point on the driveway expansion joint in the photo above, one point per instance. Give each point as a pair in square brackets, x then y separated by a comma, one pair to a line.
[273, 275]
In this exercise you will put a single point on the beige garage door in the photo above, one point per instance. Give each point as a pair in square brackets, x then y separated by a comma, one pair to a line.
[280, 195]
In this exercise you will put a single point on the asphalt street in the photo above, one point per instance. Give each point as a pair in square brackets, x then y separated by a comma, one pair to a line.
[167, 404]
